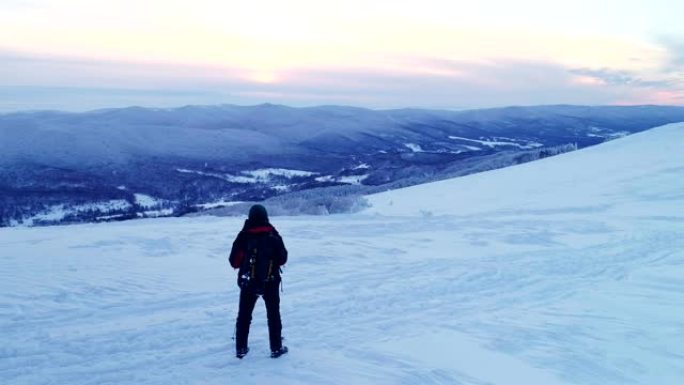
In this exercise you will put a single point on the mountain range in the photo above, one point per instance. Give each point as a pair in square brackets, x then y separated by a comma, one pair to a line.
[58, 167]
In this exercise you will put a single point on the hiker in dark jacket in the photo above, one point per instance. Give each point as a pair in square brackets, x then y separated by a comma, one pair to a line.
[258, 251]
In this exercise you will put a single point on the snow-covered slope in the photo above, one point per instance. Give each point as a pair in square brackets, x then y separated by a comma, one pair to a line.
[613, 177]
[563, 271]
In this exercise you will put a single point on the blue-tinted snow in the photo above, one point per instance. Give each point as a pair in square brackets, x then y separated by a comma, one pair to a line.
[563, 271]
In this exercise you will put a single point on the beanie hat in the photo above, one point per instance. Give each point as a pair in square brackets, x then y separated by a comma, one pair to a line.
[258, 214]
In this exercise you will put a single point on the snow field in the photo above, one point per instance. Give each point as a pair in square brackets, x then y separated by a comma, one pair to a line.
[562, 271]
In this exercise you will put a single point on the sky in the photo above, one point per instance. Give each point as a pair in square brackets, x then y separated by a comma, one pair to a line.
[86, 54]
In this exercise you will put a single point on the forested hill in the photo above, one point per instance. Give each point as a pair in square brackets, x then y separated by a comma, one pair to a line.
[125, 163]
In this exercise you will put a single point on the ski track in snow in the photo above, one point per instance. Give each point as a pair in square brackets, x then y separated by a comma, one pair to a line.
[587, 292]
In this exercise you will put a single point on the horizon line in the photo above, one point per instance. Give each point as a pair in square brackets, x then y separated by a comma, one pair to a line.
[313, 106]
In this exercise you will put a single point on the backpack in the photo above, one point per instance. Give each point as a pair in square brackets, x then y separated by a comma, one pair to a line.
[258, 267]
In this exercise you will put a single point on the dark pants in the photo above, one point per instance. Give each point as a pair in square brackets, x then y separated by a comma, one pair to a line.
[247, 302]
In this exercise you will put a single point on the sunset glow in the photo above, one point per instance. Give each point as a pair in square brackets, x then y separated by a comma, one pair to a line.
[302, 49]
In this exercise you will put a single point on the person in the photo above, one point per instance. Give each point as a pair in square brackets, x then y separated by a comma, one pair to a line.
[258, 240]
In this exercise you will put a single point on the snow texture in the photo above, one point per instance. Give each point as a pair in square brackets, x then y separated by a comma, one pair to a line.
[414, 147]
[497, 142]
[146, 201]
[59, 212]
[266, 173]
[566, 270]
[221, 203]
[348, 179]
[253, 176]
[352, 179]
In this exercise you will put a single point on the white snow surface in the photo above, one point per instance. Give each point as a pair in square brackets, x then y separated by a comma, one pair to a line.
[414, 147]
[60, 211]
[146, 201]
[348, 179]
[566, 270]
[262, 175]
[352, 179]
[266, 173]
[220, 203]
[498, 142]
[325, 178]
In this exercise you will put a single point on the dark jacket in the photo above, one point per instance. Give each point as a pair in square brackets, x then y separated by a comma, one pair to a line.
[251, 229]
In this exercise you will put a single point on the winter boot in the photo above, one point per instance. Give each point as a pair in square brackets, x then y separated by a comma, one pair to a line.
[241, 352]
[279, 352]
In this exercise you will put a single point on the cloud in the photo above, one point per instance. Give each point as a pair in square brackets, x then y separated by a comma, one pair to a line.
[31, 82]
[77, 84]
[18, 69]
[446, 84]
[622, 78]
[675, 53]
[18, 4]
[662, 83]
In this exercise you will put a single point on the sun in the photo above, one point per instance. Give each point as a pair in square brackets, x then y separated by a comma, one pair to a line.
[264, 77]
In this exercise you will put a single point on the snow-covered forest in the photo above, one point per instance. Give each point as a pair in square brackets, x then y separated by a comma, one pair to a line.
[59, 167]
